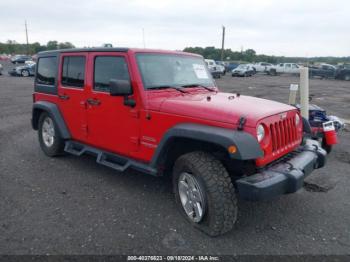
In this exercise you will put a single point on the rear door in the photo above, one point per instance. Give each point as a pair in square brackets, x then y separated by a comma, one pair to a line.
[72, 93]
[112, 125]
[295, 69]
[288, 68]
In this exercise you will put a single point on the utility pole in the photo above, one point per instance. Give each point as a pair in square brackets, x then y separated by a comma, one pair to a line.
[25, 24]
[223, 43]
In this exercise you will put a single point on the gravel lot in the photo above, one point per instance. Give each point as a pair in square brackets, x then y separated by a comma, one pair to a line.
[71, 205]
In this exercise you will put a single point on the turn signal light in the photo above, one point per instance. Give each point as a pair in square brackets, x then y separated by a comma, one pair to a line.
[232, 149]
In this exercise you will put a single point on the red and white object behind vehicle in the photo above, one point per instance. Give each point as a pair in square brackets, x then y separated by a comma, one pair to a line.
[329, 133]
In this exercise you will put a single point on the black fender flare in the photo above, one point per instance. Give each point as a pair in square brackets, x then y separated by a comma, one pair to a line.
[54, 112]
[248, 147]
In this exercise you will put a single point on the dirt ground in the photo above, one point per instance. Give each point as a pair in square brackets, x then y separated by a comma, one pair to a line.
[71, 205]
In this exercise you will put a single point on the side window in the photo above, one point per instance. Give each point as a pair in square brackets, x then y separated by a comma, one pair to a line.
[107, 68]
[288, 65]
[47, 68]
[73, 71]
[295, 66]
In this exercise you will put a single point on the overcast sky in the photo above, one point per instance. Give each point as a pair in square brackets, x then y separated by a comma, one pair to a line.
[277, 27]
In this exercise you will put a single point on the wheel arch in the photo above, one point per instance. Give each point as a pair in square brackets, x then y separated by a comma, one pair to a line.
[185, 138]
[54, 112]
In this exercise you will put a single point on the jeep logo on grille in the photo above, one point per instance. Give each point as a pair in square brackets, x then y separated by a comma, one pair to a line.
[283, 116]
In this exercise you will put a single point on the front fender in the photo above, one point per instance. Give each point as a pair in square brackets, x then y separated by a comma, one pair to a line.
[247, 146]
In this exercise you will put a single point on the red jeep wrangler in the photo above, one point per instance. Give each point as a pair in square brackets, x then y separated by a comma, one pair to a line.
[161, 113]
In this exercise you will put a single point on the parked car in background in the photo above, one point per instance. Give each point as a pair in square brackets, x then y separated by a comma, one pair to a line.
[215, 70]
[230, 66]
[4, 57]
[343, 73]
[25, 70]
[284, 68]
[243, 70]
[323, 71]
[20, 59]
[222, 66]
[262, 67]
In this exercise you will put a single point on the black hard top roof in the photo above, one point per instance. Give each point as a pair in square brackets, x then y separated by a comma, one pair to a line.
[75, 50]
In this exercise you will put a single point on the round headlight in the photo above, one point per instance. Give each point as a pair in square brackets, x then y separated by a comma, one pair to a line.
[260, 132]
[297, 119]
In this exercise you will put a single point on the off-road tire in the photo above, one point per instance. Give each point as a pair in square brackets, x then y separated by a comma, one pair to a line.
[221, 208]
[57, 148]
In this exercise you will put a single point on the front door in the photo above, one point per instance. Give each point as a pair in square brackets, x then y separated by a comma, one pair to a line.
[72, 86]
[112, 126]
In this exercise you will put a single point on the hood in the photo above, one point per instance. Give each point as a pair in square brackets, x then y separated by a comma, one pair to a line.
[220, 107]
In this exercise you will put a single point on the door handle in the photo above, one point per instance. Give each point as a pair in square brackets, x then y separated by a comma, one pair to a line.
[93, 101]
[63, 97]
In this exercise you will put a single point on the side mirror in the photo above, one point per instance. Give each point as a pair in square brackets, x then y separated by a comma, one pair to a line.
[120, 87]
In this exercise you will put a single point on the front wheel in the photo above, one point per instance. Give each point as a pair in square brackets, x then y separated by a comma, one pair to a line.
[25, 73]
[273, 72]
[204, 193]
[50, 139]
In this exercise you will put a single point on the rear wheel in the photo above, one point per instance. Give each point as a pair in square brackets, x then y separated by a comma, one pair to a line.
[204, 193]
[50, 139]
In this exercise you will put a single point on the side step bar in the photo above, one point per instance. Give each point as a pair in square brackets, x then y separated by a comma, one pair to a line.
[108, 159]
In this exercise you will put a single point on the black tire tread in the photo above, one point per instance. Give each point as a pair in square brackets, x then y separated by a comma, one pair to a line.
[57, 148]
[221, 193]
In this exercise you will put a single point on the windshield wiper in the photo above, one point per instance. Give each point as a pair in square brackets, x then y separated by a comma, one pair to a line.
[199, 85]
[167, 86]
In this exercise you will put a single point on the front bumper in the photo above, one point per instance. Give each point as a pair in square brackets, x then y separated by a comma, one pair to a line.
[284, 176]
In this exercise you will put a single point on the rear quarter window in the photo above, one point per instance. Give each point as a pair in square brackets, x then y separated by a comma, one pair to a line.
[47, 69]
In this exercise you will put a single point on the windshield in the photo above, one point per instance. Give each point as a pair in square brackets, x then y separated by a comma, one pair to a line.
[242, 67]
[159, 70]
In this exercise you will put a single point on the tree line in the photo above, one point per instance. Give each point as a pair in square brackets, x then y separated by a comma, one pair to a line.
[12, 47]
[250, 55]
[210, 52]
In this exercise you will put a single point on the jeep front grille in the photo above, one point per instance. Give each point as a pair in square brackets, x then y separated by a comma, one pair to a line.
[283, 134]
